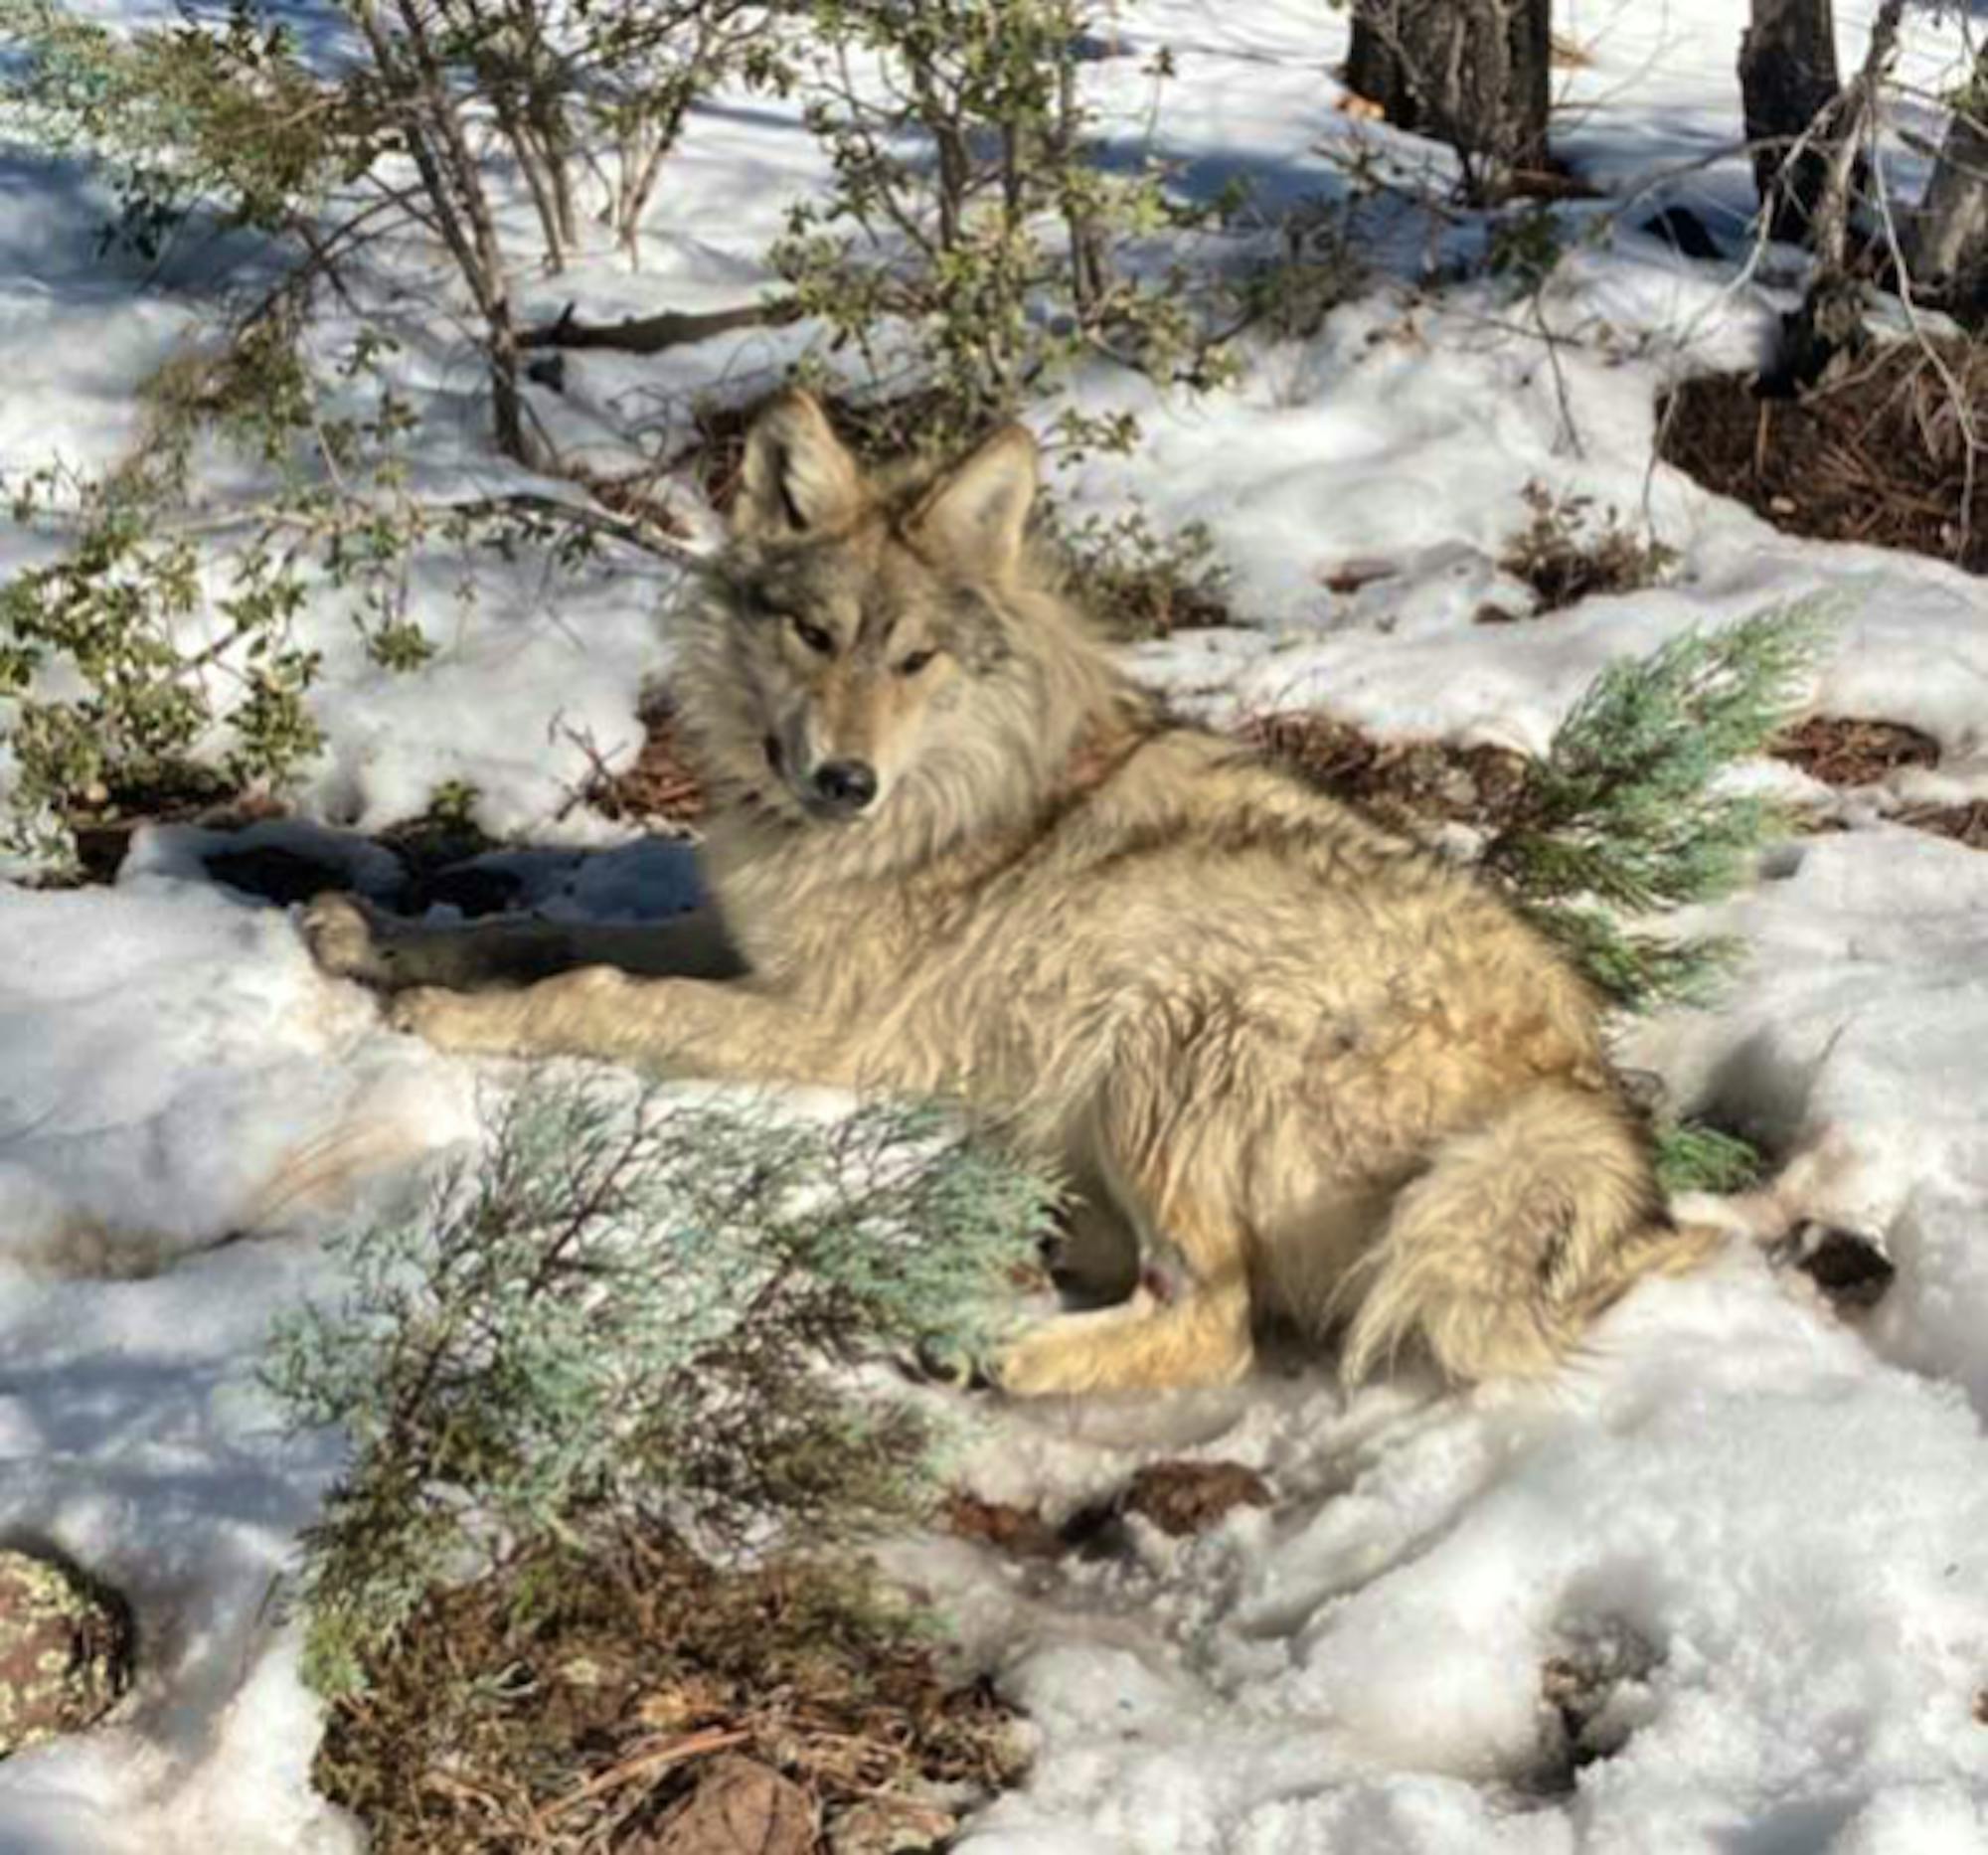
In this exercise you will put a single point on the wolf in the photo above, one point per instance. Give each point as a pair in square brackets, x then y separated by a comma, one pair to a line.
[1295, 1067]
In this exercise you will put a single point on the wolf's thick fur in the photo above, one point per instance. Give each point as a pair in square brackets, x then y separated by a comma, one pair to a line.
[1306, 1066]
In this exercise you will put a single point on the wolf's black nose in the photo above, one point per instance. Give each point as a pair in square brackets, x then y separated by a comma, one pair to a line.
[850, 785]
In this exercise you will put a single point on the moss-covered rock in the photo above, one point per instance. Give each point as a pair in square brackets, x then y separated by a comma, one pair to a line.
[64, 1650]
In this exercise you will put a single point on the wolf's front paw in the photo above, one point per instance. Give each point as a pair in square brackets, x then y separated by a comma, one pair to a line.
[339, 932]
[452, 1020]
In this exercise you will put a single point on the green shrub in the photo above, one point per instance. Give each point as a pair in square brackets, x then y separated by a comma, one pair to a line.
[970, 211]
[1631, 811]
[625, 1311]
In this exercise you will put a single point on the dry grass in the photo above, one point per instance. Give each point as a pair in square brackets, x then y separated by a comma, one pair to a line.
[1878, 455]
[1841, 750]
[572, 1702]
[1565, 553]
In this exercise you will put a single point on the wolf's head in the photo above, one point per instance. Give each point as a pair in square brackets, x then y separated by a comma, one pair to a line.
[883, 652]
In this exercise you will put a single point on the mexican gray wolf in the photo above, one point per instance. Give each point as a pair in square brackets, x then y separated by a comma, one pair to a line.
[1301, 1069]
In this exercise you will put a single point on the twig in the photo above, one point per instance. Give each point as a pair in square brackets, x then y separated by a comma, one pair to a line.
[657, 1758]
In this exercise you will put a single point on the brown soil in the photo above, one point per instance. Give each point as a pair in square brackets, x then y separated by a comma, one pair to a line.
[1406, 785]
[1180, 1498]
[659, 784]
[1189, 1497]
[1878, 455]
[1843, 752]
[1965, 824]
[575, 1703]
[1020, 1531]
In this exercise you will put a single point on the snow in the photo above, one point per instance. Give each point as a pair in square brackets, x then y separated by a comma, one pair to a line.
[1764, 1525]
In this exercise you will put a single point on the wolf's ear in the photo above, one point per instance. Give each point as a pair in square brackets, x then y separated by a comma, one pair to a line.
[977, 511]
[797, 476]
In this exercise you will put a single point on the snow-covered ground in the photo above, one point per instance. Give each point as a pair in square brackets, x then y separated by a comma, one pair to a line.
[1768, 1526]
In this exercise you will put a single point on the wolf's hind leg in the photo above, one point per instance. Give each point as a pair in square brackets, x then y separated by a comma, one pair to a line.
[1195, 1330]
[1144, 1344]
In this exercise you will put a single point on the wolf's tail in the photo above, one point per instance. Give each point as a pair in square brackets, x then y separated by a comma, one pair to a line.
[1521, 1231]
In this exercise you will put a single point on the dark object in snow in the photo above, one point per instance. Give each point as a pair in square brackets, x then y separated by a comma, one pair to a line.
[472, 889]
[1593, 1697]
[1682, 231]
[1180, 1498]
[1847, 1265]
[549, 370]
[739, 1807]
[64, 1650]
[274, 874]
[1189, 1497]
[1965, 824]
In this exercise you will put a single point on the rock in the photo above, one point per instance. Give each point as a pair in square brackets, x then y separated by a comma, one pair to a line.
[739, 1807]
[65, 1651]
[1850, 1267]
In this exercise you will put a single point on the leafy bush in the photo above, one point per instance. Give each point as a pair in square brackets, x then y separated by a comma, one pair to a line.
[1141, 583]
[229, 116]
[620, 1313]
[219, 113]
[159, 653]
[971, 213]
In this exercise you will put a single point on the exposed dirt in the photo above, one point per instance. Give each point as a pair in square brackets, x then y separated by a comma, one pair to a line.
[1880, 455]
[1406, 784]
[1569, 551]
[1189, 1497]
[659, 783]
[1965, 824]
[581, 1702]
[1180, 1498]
[1843, 752]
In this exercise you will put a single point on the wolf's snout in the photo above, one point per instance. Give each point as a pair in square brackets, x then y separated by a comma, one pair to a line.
[848, 786]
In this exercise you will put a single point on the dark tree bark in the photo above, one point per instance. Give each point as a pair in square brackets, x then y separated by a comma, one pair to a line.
[1475, 74]
[1787, 84]
[1828, 329]
[1947, 249]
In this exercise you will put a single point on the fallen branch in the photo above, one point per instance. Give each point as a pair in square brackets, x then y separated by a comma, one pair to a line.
[647, 535]
[651, 334]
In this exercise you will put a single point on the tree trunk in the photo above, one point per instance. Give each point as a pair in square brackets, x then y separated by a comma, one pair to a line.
[1828, 328]
[1787, 84]
[1474, 74]
[1947, 249]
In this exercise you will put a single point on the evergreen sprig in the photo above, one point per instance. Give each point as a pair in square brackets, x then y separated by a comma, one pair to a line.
[1631, 811]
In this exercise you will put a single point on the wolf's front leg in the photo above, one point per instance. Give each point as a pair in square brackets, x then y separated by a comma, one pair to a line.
[693, 1027]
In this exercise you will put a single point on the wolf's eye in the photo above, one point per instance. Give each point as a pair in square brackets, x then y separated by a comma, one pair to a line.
[916, 661]
[813, 637]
